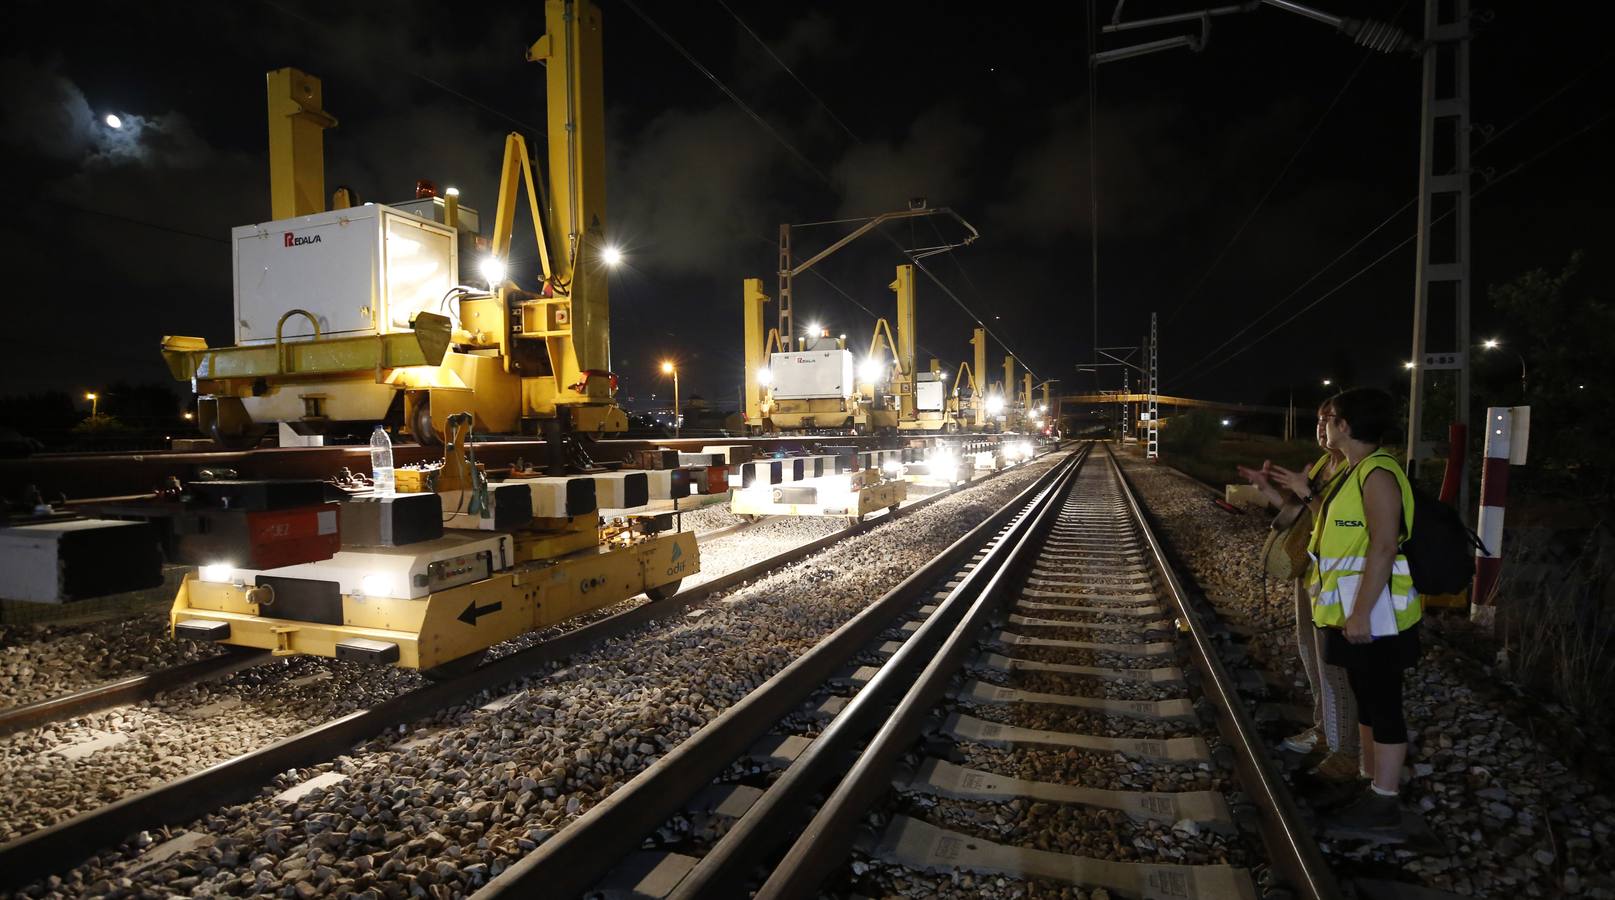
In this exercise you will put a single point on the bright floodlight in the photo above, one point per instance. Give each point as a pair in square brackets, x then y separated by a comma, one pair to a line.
[493, 271]
[995, 405]
[870, 371]
[611, 256]
[944, 376]
[765, 377]
[667, 368]
[1407, 365]
[113, 121]
[217, 572]
[90, 396]
[1491, 343]
[813, 329]
[451, 192]
[374, 585]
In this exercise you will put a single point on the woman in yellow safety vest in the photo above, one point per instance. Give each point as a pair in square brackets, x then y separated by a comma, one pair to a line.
[1334, 712]
[1363, 593]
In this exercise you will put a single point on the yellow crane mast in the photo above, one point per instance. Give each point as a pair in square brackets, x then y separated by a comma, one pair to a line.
[423, 345]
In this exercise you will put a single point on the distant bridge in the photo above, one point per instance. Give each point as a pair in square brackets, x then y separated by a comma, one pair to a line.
[1163, 400]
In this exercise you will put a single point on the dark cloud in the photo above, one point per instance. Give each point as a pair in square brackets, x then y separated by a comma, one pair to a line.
[935, 158]
[687, 193]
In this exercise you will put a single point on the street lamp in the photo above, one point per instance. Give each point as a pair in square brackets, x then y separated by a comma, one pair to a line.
[95, 400]
[669, 369]
[1328, 381]
[1495, 343]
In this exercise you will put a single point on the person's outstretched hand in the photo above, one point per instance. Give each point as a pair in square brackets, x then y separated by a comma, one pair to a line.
[1294, 482]
[1258, 477]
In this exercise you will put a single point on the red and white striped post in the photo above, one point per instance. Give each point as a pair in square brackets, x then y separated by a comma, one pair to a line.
[1507, 430]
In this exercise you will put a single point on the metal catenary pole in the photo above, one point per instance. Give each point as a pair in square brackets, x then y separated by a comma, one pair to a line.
[1445, 123]
[1152, 450]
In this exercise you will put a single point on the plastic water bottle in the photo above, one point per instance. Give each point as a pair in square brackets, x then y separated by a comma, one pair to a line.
[381, 461]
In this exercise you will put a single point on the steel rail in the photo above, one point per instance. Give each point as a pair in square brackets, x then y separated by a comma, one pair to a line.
[1291, 849]
[125, 691]
[1290, 845]
[60, 846]
[829, 835]
[955, 624]
[587, 849]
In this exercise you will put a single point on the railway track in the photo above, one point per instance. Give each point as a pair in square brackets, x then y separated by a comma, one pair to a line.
[126, 690]
[62, 845]
[1056, 642]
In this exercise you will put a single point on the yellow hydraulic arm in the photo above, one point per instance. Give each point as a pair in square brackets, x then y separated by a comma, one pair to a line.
[297, 123]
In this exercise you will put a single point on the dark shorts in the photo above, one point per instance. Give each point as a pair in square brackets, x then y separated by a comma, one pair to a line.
[1399, 651]
[1374, 671]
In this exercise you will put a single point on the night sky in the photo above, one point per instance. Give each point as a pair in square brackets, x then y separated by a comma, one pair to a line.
[122, 237]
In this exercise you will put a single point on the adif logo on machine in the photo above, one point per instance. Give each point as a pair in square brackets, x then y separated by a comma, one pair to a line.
[678, 553]
[293, 240]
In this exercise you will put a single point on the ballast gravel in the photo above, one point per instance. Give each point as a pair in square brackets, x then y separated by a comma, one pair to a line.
[438, 810]
[1507, 816]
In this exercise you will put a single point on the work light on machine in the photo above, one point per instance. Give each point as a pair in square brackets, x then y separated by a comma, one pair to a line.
[765, 377]
[995, 405]
[492, 269]
[611, 255]
[871, 371]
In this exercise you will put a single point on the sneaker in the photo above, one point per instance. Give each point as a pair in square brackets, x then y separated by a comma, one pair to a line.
[1337, 767]
[1372, 812]
[1305, 742]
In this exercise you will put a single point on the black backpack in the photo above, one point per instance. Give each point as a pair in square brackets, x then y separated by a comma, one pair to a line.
[1441, 549]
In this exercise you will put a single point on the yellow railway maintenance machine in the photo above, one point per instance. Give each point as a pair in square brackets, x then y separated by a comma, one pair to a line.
[506, 557]
[430, 577]
[360, 314]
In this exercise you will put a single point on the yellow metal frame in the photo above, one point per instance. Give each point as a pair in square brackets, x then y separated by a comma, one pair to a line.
[430, 632]
[297, 122]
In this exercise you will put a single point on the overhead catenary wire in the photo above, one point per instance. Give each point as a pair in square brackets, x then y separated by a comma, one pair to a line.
[129, 220]
[1093, 172]
[1516, 169]
[324, 32]
[1384, 223]
[794, 77]
[1273, 186]
[717, 82]
[797, 154]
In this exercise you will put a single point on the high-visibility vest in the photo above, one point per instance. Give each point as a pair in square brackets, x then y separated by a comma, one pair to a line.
[1339, 551]
[1322, 490]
